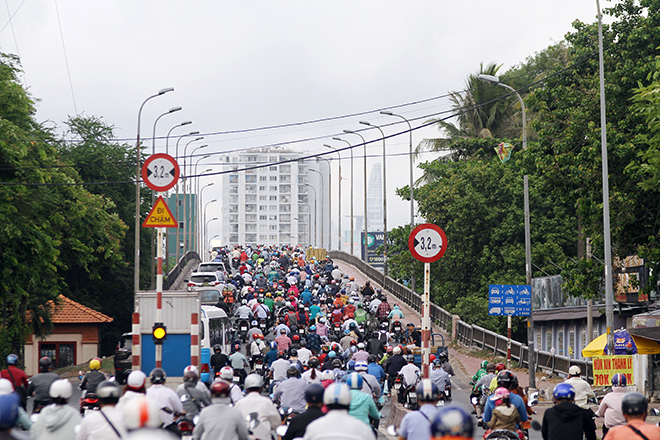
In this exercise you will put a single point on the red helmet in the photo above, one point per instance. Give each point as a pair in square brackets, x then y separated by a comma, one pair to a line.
[353, 342]
[500, 366]
[432, 357]
[261, 336]
[296, 337]
[351, 316]
[255, 336]
[338, 295]
[220, 388]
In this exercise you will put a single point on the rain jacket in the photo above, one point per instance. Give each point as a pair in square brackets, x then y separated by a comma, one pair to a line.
[56, 422]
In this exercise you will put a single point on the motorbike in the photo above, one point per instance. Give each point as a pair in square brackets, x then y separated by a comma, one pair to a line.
[263, 325]
[235, 262]
[37, 406]
[301, 331]
[397, 387]
[410, 398]
[186, 427]
[258, 365]
[243, 329]
[89, 402]
[336, 330]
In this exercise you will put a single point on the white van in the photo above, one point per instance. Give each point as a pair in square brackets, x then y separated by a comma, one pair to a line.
[214, 328]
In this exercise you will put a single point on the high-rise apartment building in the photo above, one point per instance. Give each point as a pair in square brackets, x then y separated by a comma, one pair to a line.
[267, 198]
[375, 199]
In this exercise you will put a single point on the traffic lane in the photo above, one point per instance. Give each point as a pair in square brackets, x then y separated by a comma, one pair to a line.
[74, 401]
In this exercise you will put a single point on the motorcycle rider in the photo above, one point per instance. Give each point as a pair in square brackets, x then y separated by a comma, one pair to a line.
[439, 377]
[58, 420]
[253, 401]
[135, 387]
[417, 424]
[278, 370]
[410, 371]
[192, 399]
[256, 349]
[304, 354]
[362, 404]
[394, 365]
[165, 399]
[271, 356]
[370, 384]
[452, 422]
[243, 312]
[313, 374]
[443, 358]
[220, 421]
[610, 406]
[291, 392]
[507, 380]
[218, 360]
[482, 387]
[93, 377]
[23, 420]
[367, 290]
[108, 423]
[283, 341]
[298, 424]
[239, 363]
[9, 415]
[583, 391]
[375, 346]
[227, 376]
[566, 420]
[375, 369]
[39, 385]
[635, 410]
[337, 423]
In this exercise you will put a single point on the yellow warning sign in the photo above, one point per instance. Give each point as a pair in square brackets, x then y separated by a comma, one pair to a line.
[160, 216]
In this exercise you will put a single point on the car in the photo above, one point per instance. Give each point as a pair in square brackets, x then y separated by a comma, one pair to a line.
[495, 310]
[496, 300]
[212, 267]
[509, 300]
[208, 279]
[210, 296]
[525, 301]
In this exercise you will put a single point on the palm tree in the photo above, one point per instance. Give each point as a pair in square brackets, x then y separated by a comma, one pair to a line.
[479, 111]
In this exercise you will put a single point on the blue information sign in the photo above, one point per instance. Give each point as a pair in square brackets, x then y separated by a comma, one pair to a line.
[509, 299]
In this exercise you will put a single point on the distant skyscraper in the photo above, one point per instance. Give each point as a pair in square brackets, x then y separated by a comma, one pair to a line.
[375, 199]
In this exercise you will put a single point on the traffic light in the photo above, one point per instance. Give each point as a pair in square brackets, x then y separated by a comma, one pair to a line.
[159, 332]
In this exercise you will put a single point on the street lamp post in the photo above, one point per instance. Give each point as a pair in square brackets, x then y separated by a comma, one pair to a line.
[153, 197]
[203, 241]
[315, 217]
[528, 241]
[384, 198]
[199, 232]
[322, 190]
[192, 229]
[188, 206]
[167, 138]
[176, 189]
[412, 198]
[339, 200]
[206, 249]
[138, 171]
[364, 242]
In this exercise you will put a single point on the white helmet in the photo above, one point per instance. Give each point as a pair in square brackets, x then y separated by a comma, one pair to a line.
[337, 394]
[61, 389]
[141, 412]
[574, 370]
[226, 373]
[192, 368]
[253, 381]
[6, 387]
[136, 380]
[327, 375]
[361, 366]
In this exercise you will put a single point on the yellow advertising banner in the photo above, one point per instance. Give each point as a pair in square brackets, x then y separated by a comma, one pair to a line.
[607, 366]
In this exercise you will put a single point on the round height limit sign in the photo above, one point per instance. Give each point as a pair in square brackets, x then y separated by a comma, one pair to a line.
[160, 172]
[427, 243]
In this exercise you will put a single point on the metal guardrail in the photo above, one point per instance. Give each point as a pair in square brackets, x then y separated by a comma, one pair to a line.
[176, 270]
[467, 334]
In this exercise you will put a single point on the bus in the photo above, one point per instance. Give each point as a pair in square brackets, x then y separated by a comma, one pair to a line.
[214, 328]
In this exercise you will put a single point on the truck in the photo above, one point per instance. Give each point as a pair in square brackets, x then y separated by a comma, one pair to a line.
[178, 308]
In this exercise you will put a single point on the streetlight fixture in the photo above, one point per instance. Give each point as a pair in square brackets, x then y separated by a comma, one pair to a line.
[199, 233]
[187, 205]
[494, 80]
[339, 189]
[205, 250]
[412, 198]
[153, 197]
[204, 231]
[192, 133]
[192, 229]
[330, 208]
[366, 233]
[167, 138]
[384, 197]
[138, 171]
[352, 179]
[316, 220]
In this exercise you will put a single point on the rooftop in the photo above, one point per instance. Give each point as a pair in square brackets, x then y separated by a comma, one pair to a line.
[71, 312]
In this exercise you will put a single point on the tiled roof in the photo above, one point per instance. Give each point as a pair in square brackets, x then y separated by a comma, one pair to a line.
[71, 312]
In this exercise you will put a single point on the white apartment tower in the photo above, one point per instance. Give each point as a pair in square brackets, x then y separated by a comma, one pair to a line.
[267, 198]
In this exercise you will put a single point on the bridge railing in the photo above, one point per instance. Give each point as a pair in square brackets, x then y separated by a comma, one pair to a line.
[173, 274]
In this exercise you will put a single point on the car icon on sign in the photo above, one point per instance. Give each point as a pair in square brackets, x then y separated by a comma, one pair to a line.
[495, 310]
[525, 301]
[496, 300]
[509, 300]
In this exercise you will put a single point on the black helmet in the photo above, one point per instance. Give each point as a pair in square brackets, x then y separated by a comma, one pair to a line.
[108, 391]
[280, 355]
[157, 376]
[313, 363]
[314, 393]
[292, 371]
[190, 376]
[634, 404]
[44, 364]
[293, 352]
[505, 379]
[372, 358]
[217, 348]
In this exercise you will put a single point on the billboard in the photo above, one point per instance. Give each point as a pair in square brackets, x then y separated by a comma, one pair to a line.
[374, 241]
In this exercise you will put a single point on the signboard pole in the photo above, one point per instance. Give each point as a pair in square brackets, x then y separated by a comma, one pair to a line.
[426, 321]
[159, 292]
[508, 342]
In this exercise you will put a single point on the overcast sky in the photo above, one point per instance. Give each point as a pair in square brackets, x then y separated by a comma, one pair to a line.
[249, 64]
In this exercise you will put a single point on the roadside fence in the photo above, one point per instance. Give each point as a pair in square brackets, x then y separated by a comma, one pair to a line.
[176, 270]
[467, 334]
